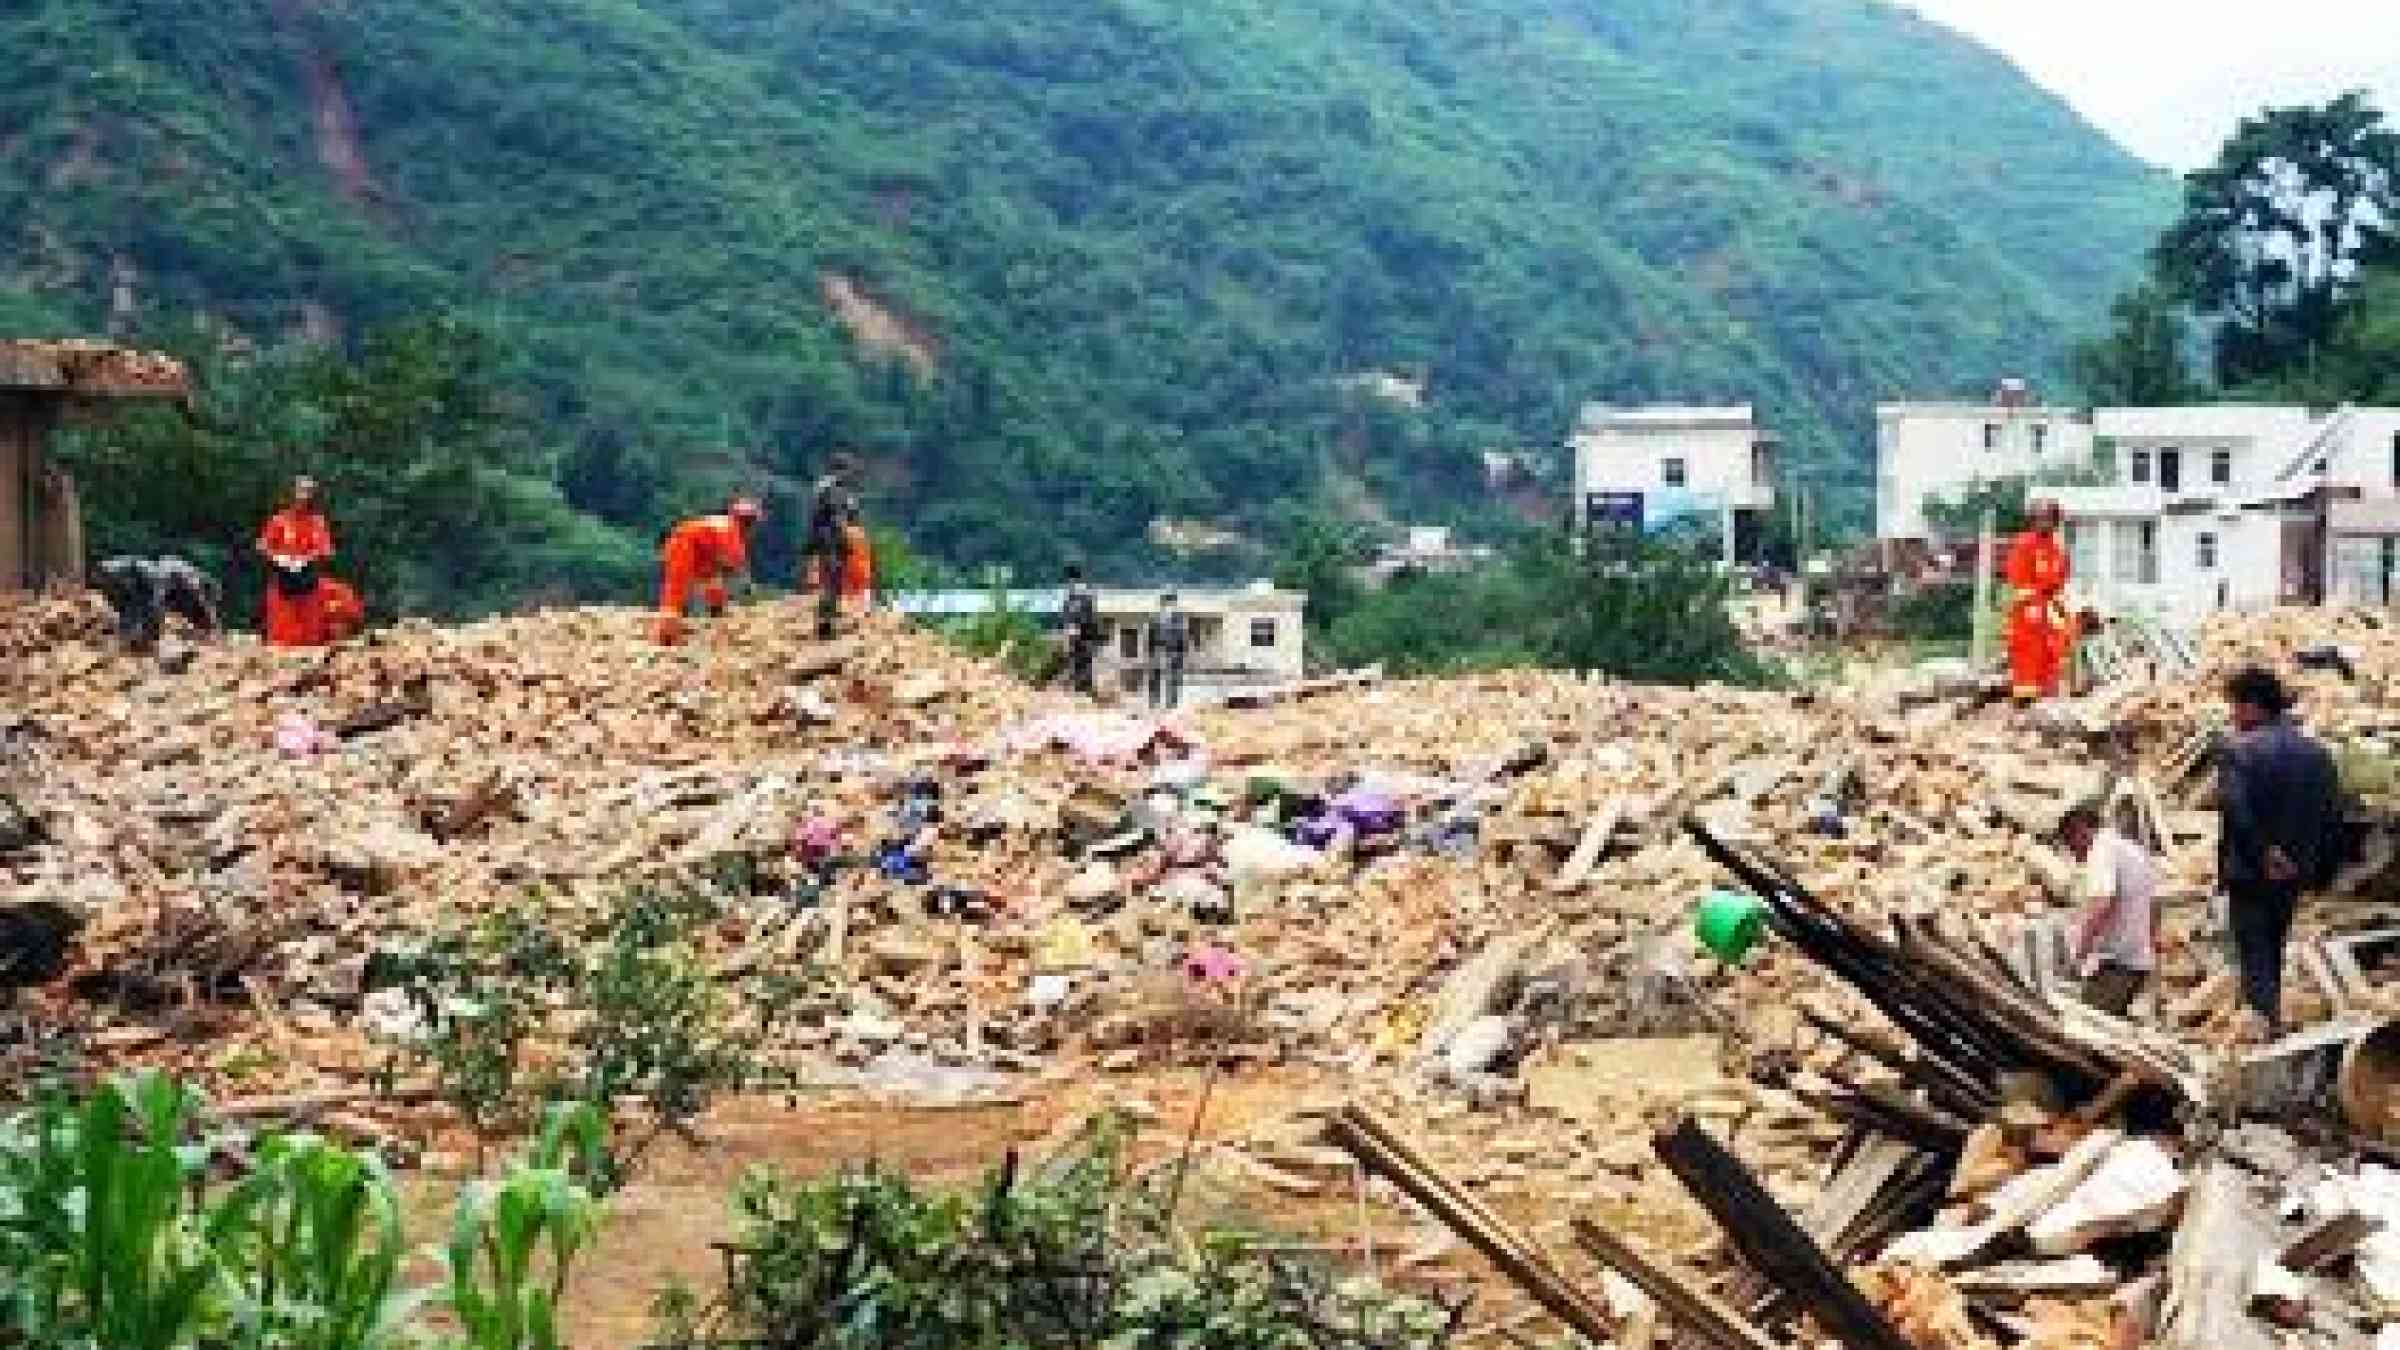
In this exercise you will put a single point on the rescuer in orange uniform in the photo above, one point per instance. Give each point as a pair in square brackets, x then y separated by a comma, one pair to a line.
[297, 543]
[858, 567]
[702, 552]
[345, 613]
[2040, 632]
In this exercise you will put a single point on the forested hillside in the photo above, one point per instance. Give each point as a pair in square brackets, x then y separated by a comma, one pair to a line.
[1061, 267]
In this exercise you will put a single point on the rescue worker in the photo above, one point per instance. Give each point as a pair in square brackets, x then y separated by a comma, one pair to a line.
[700, 554]
[1079, 624]
[2040, 632]
[345, 613]
[831, 507]
[1170, 644]
[858, 567]
[144, 591]
[296, 543]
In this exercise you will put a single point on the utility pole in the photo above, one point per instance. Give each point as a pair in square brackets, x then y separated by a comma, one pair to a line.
[1979, 645]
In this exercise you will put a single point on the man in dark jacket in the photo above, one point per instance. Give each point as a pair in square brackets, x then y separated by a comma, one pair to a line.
[2278, 798]
[1170, 646]
[830, 508]
[1079, 624]
[144, 591]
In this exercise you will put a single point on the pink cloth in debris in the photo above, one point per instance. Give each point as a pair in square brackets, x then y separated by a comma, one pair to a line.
[814, 841]
[1209, 965]
[1098, 738]
[297, 737]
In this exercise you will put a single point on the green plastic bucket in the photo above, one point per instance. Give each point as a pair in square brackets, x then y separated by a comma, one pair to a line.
[1729, 924]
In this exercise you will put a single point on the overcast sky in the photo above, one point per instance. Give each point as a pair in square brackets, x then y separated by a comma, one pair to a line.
[2169, 78]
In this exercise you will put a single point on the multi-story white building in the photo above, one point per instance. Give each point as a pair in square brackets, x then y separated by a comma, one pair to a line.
[1653, 464]
[2237, 507]
[1941, 451]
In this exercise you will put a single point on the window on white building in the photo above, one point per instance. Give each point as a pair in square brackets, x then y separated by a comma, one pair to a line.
[1262, 632]
[2041, 437]
[2146, 558]
[1129, 642]
[1991, 435]
[2138, 466]
[2083, 548]
[2396, 459]
[1671, 471]
[2220, 466]
[2207, 552]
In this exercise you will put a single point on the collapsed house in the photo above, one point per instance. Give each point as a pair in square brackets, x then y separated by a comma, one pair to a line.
[1462, 904]
[42, 385]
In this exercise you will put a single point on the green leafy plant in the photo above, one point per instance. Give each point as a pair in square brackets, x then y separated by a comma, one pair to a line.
[110, 1234]
[1074, 1254]
[515, 1240]
[642, 1019]
[312, 1245]
[96, 1235]
[660, 1028]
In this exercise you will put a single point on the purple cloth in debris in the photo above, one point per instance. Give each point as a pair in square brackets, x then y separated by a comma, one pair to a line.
[1368, 812]
[1319, 831]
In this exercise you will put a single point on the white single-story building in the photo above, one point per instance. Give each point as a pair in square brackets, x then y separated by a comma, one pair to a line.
[1650, 465]
[2237, 507]
[1942, 451]
[1242, 637]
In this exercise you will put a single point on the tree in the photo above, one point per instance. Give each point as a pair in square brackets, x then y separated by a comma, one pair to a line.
[2362, 362]
[1962, 515]
[1318, 562]
[437, 488]
[2142, 360]
[2273, 235]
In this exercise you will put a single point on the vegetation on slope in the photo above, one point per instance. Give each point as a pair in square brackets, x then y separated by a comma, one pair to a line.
[1112, 255]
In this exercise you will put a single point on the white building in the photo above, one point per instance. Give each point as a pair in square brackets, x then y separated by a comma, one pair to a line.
[2237, 507]
[1423, 548]
[1657, 463]
[1944, 450]
[1241, 638]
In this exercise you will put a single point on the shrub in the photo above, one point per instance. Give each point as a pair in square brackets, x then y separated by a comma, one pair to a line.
[1073, 1254]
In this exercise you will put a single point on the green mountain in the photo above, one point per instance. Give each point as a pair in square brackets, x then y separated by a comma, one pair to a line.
[1063, 267]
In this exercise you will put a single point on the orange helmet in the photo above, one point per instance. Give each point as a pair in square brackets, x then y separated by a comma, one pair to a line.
[744, 509]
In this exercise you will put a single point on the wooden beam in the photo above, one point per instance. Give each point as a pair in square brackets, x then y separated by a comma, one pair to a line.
[1771, 1242]
[1693, 1309]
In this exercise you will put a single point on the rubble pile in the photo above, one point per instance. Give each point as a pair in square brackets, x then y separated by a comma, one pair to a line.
[1459, 899]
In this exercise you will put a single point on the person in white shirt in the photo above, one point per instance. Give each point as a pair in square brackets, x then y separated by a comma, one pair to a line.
[2115, 935]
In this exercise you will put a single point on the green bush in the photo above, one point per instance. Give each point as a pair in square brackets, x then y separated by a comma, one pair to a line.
[1943, 611]
[650, 1022]
[1636, 608]
[1062, 1256]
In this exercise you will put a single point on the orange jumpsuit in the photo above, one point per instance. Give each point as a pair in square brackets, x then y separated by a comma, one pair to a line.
[345, 613]
[297, 620]
[2039, 636]
[701, 552]
[858, 565]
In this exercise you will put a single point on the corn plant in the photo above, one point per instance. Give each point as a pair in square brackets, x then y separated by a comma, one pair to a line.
[312, 1244]
[96, 1240]
[503, 1291]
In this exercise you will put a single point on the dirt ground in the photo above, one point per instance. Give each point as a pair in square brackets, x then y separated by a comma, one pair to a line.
[658, 1231]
